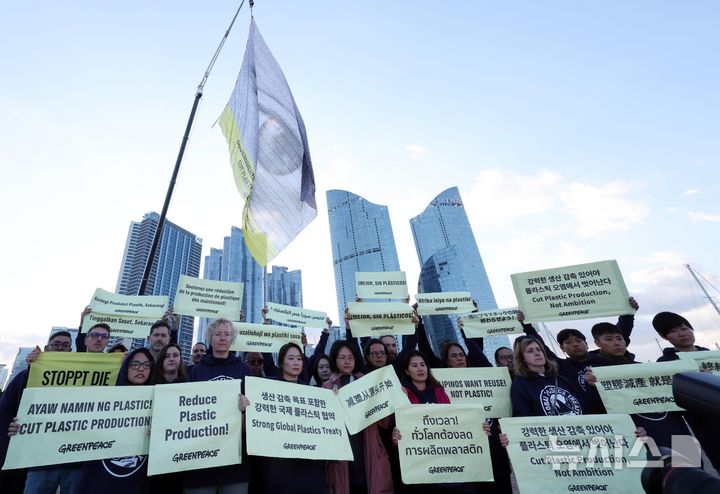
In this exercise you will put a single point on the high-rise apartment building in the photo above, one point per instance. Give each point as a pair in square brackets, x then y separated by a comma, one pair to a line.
[450, 261]
[179, 252]
[284, 287]
[235, 263]
[362, 240]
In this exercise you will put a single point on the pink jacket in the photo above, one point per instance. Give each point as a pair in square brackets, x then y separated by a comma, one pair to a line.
[377, 462]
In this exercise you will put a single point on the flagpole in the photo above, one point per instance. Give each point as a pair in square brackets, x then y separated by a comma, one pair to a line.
[181, 152]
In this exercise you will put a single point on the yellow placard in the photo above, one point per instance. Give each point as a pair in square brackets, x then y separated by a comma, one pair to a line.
[498, 322]
[381, 285]
[487, 387]
[376, 319]
[581, 291]
[287, 420]
[430, 304]
[442, 443]
[122, 326]
[208, 298]
[296, 316]
[74, 369]
[706, 359]
[575, 453]
[60, 426]
[640, 388]
[144, 306]
[195, 425]
[263, 337]
[371, 398]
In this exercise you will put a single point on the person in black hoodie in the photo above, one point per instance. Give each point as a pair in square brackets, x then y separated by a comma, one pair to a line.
[127, 475]
[220, 364]
[307, 476]
[675, 329]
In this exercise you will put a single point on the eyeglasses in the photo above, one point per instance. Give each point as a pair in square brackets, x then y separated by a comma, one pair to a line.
[505, 357]
[377, 354]
[346, 357]
[137, 365]
[99, 336]
[254, 361]
[59, 346]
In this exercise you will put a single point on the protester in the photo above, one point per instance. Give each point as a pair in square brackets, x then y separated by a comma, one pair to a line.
[255, 362]
[322, 370]
[118, 348]
[220, 364]
[675, 329]
[127, 475]
[308, 476]
[159, 337]
[376, 354]
[55, 476]
[199, 350]
[169, 366]
[504, 358]
[370, 470]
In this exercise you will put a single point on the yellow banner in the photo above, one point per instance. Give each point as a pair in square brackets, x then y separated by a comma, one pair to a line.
[376, 319]
[387, 284]
[286, 420]
[442, 443]
[498, 322]
[708, 360]
[59, 426]
[488, 387]
[296, 316]
[75, 369]
[104, 302]
[121, 326]
[640, 388]
[263, 337]
[371, 398]
[430, 304]
[575, 453]
[208, 298]
[575, 292]
[195, 425]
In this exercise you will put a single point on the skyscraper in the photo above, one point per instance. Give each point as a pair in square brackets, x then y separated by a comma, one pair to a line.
[178, 253]
[283, 286]
[450, 261]
[362, 240]
[211, 271]
[235, 263]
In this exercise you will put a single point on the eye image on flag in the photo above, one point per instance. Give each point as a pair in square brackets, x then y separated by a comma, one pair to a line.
[269, 153]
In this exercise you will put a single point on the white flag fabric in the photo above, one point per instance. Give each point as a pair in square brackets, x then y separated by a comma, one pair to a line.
[269, 153]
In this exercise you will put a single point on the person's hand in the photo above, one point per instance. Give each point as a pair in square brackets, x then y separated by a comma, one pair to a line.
[347, 317]
[589, 376]
[640, 432]
[357, 299]
[14, 427]
[415, 319]
[486, 428]
[396, 436]
[504, 441]
[633, 303]
[461, 323]
[303, 338]
[243, 403]
[328, 321]
[242, 315]
[33, 356]
[406, 300]
[520, 316]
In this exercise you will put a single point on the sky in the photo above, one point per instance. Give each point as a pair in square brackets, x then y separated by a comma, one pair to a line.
[575, 131]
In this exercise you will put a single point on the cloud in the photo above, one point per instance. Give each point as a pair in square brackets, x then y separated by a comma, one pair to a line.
[691, 192]
[698, 216]
[415, 149]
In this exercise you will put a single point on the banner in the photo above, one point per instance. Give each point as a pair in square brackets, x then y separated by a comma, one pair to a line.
[208, 298]
[488, 387]
[263, 337]
[575, 453]
[707, 360]
[121, 326]
[431, 304]
[640, 388]
[371, 398]
[376, 319]
[572, 292]
[296, 316]
[195, 425]
[75, 369]
[67, 425]
[442, 443]
[104, 302]
[287, 420]
[498, 322]
[387, 284]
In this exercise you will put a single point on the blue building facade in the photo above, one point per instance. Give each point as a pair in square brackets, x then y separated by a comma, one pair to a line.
[179, 252]
[284, 287]
[450, 261]
[362, 240]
